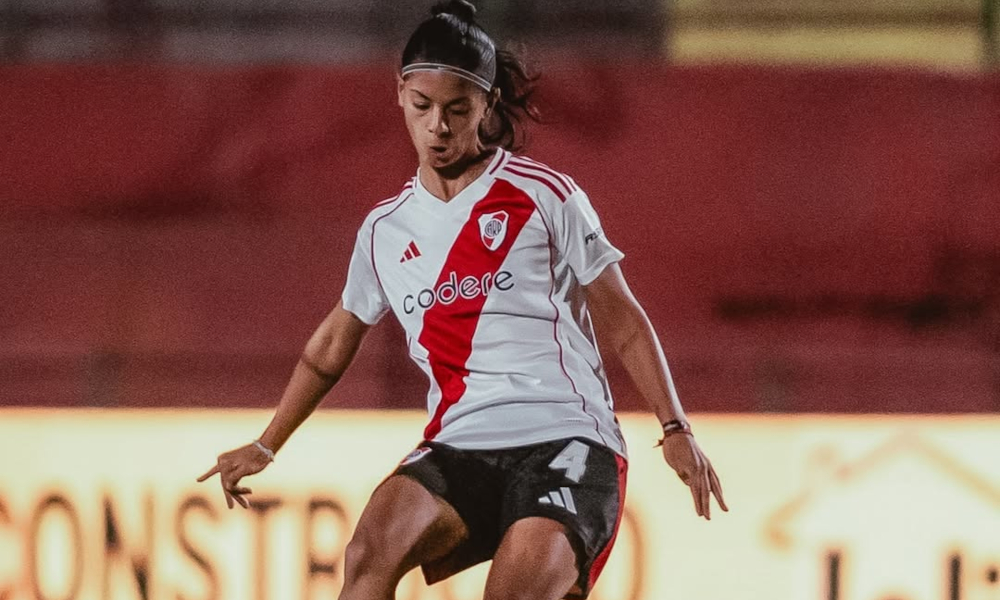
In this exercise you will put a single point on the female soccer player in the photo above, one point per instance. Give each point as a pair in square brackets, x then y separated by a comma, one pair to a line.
[498, 270]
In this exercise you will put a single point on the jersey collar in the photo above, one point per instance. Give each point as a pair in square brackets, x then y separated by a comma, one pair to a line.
[472, 192]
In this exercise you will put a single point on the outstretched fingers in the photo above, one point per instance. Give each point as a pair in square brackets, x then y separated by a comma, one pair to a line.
[233, 466]
[697, 499]
[703, 483]
[238, 499]
[704, 491]
[696, 471]
[234, 495]
[699, 486]
[210, 472]
[238, 494]
[716, 487]
[229, 480]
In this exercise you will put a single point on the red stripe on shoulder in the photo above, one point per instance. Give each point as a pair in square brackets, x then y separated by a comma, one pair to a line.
[500, 161]
[406, 188]
[540, 178]
[543, 171]
[562, 176]
[541, 168]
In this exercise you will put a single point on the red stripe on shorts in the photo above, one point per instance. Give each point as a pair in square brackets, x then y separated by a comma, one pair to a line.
[602, 558]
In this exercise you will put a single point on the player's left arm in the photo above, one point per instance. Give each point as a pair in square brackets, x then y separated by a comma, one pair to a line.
[621, 323]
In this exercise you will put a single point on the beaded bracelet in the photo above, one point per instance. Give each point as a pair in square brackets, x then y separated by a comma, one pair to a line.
[673, 427]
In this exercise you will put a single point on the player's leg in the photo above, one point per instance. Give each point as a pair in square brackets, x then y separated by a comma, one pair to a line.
[403, 526]
[560, 514]
[535, 561]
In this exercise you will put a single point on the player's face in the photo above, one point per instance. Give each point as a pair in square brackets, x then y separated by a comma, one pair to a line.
[443, 113]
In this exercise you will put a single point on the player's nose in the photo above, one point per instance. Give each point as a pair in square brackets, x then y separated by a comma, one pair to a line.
[438, 123]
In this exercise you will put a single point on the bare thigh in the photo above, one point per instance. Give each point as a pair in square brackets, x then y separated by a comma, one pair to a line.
[402, 526]
[535, 561]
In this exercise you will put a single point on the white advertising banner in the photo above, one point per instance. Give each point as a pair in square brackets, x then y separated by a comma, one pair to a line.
[103, 505]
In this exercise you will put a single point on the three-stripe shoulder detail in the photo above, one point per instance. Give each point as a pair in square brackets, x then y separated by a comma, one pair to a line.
[403, 193]
[560, 185]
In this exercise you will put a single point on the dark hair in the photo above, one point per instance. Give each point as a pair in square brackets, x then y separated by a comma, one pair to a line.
[452, 37]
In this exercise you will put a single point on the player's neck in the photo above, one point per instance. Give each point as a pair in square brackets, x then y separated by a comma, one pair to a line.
[448, 182]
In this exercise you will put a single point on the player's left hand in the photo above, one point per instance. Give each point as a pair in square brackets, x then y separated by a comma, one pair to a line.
[682, 453]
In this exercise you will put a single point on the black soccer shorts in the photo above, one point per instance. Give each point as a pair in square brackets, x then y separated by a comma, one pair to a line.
[576, 482]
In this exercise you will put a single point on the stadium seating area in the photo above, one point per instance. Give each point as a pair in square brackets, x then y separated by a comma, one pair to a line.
[803, 240]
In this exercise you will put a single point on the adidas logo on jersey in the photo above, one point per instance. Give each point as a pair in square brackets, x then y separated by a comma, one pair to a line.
[451, 289]
[411, 252]
[563, 498]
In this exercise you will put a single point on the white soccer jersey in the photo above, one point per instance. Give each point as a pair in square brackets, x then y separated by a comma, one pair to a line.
[488, 288]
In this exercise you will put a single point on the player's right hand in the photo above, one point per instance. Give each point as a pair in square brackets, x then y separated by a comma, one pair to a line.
[233, 466]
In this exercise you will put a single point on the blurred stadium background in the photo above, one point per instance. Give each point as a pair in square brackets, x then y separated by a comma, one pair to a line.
[807, 192]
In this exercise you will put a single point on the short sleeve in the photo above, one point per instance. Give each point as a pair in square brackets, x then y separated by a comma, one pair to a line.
[363, 295]
[581, 239]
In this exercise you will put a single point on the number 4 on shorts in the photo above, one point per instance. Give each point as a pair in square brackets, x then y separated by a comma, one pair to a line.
[573, 459]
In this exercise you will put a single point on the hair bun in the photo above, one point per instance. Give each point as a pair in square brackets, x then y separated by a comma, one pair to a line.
[462, 9]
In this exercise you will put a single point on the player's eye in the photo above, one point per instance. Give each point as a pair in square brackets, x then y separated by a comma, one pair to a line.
[419, 106]
[460, 112]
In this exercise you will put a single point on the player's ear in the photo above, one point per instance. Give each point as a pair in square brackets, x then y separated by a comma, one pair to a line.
[399, 90]
[492, 99]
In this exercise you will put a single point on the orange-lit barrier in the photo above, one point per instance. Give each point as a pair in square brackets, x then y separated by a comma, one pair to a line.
[103, 506]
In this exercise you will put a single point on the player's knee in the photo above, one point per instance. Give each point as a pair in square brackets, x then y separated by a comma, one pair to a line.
[514, 590]
[368, 555]
[355, 558]
[541, 580]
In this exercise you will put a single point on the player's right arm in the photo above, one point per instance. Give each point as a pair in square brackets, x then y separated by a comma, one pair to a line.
[327, 355]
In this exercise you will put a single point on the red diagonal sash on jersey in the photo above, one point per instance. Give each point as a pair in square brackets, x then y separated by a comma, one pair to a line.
[448, 328]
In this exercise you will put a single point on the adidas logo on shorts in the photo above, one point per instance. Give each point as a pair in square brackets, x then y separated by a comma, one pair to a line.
[562, 498]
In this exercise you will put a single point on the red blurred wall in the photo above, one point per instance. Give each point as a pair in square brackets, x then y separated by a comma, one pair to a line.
[803, 240]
